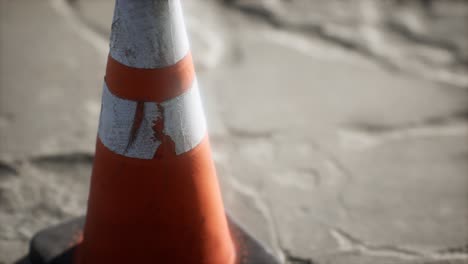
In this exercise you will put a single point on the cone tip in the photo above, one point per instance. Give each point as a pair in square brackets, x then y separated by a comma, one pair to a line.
[148, 33]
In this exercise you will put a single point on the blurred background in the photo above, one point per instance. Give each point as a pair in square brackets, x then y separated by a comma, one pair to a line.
[339, 128]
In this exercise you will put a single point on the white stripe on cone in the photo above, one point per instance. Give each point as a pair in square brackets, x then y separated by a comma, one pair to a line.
[185, 120]
[184, 123]
[148, 33]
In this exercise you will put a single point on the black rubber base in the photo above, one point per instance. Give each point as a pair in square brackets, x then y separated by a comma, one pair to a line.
[56, 245]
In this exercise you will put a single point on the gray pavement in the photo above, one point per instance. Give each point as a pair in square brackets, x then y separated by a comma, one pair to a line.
[339, 128]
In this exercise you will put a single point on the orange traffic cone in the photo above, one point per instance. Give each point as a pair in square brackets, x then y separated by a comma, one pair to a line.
[154, 194]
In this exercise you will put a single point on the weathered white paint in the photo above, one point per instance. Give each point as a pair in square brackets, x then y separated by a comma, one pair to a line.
[115, 127]
[185, 120]
[184, 123]
[148, 33]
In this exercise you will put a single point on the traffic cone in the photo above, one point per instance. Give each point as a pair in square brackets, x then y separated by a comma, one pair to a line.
[154, 195]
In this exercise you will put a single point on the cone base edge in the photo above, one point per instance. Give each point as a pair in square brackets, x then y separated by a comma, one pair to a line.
[57, 244]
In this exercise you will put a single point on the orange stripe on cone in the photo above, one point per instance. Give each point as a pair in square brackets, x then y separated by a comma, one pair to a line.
[169, 81]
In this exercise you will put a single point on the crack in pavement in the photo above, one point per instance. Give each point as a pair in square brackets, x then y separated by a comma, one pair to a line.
[7, 170]
[426, 41]
[335, 164]
[462, 249]
[364, 135]
[454, 76]
[331, 160]
[292, 259]
[14, 166]
[349, 243]
[63, 158]
[265, 210]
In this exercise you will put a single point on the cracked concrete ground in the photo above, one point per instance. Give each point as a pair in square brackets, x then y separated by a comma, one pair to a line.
[339, 128]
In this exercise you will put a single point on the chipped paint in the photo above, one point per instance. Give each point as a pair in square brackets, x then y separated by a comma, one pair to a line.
[127, 132]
